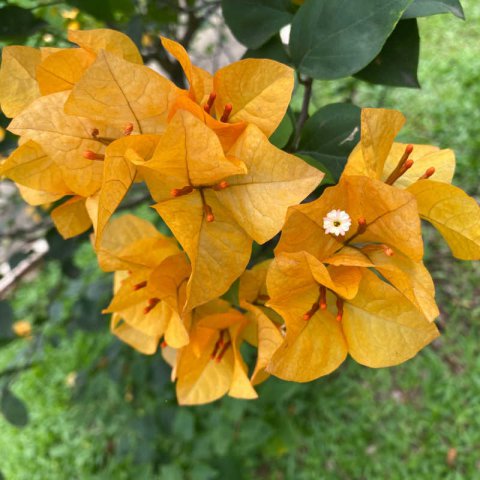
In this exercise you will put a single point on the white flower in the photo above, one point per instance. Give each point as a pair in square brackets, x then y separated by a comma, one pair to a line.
[337, 222]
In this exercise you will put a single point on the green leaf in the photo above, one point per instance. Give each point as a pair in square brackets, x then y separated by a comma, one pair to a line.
[231, 295]
[425, 8]
[253, 22]
[282, 134]
[13, 409]
[6, 321]
[106, 10]
[273, 49]
[333, 39]
[17, 22]
[329, 136]
[396, 65]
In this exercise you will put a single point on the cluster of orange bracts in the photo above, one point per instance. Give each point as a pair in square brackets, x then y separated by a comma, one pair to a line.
[347, 276]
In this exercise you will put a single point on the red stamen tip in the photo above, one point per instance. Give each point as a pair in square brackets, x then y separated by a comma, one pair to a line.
[210, 217]
[226, 112]
[164, 344]
[151, 304]
[128, 129]
[408, 164]
[362, 225]
[409, 149]
[221, 186]
[140, 285]
[308, 315]
[428, 173]
[388, 251]
[211, 99]
[178, 192]
[88, 154]
[339, 309]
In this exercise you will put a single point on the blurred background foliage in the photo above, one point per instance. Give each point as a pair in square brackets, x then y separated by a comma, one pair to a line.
[78, 404]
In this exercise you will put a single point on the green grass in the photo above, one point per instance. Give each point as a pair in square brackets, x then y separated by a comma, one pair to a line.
[356, 424]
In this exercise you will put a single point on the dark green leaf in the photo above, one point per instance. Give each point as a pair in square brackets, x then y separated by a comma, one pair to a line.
[13, 409]
[329, 136]
[18, 22]
[6, 320]
[106, 10]
[282, 134]
[253, 22]
[134, 30]
[1, 476]
[425, 8]
[396, 65]
[232, 294]
[334, 39]
[273, 49]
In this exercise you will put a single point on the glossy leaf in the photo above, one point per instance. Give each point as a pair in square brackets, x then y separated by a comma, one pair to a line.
[327, 45]
[425, 8]
[274, 49]
[17, 22]
[254, 22]
[397, 64]
[329, 136]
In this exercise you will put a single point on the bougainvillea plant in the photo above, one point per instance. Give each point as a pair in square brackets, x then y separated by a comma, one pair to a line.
[347, 275]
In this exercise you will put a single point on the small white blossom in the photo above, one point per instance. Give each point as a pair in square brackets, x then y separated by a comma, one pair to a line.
[337, 222]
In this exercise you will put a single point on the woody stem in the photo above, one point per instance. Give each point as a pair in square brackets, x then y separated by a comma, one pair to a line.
[302, 118]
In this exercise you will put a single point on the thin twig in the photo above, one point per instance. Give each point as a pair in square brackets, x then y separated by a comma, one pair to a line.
[302, 118]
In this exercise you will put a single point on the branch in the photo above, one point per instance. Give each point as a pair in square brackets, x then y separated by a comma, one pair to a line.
[34, 229]
[302, 118]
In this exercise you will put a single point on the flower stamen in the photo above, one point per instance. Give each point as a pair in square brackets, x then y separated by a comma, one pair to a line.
[128, 129]
[211, 100]
[88, 154]
[139, 286]
[339, 309]
[151, 304]
[178, 192]
[226, 112]
[428, 173]
[403, 165]
[221, 186]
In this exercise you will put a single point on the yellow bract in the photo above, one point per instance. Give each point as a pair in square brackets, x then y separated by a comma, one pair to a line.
[390, 215]
[94, 120]
[18, 85]
[378, 326]
[112, 41]
[117, 92]
[455, 214]
[258, 91]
